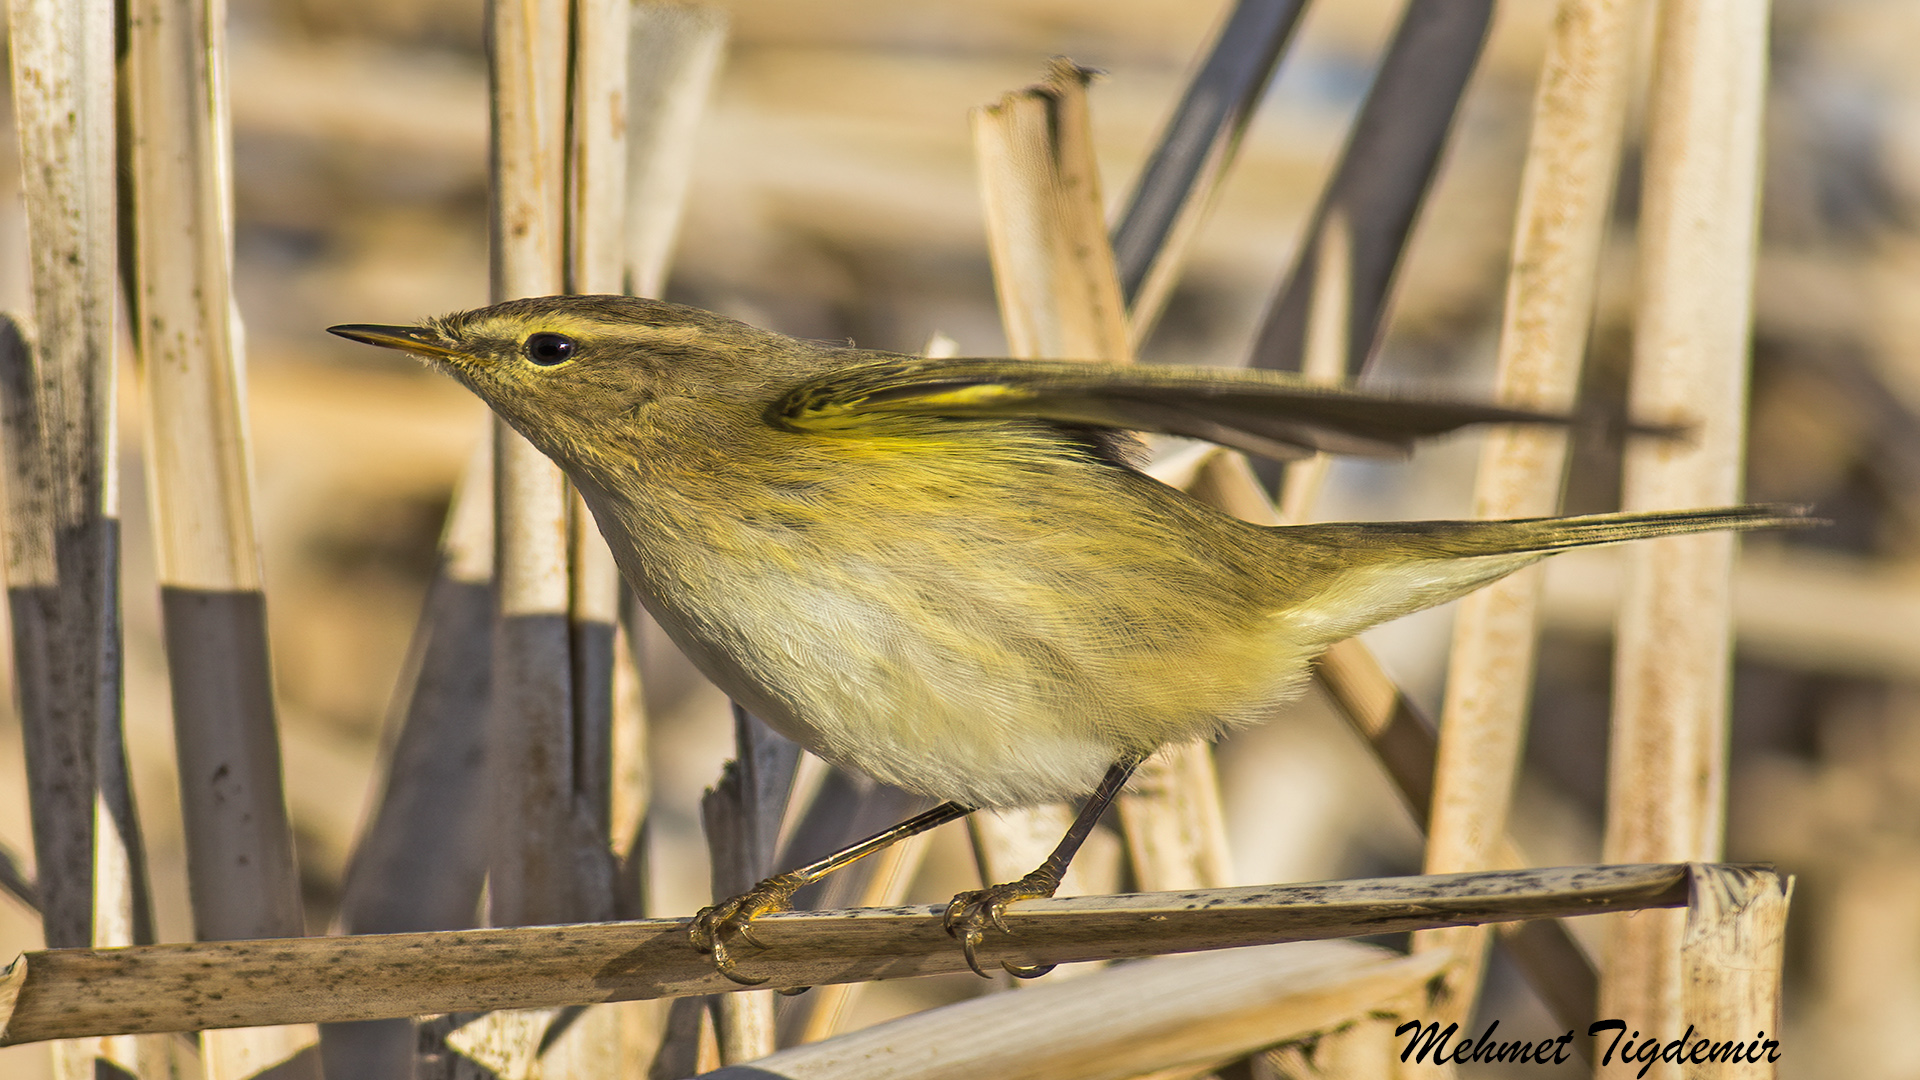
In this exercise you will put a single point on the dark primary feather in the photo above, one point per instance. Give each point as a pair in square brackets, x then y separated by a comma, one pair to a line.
[1272, 414]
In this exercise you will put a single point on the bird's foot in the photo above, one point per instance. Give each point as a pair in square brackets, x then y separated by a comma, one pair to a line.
[714, 928]
[970, 913]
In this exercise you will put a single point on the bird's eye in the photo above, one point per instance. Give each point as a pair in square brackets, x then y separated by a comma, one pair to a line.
[550, 349]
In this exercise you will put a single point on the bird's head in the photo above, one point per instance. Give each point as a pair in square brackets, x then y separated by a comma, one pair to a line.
[573, 371]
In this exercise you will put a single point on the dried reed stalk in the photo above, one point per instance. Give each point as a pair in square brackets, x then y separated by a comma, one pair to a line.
[1815, 611]
[742, 814]
[78, 992]
[576, 788]
[1383, 176]
[422, 859]
[1404, 741]
[1730, 959]
[672, 54]
[1326, 319]
[62, 536]
[1177, 185]
[1060, 297]
[13, 877]
[1053, 271]
[66, 641]
[590, 1044]
[533, 878]
[547, 863]
[1123, 1021]
[879, 880]
[596, 263]
[1327, 347]
[61, 527]
[676, 51]
[1566, 190]
[1667, 758]
[241, 868]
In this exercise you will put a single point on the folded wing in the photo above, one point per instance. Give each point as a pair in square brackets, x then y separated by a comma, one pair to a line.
[1272, 414]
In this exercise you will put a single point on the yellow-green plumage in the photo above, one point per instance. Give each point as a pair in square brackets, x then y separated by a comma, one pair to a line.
[942, 573]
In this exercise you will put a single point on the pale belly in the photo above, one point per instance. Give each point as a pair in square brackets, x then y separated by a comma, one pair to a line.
[1016, 674]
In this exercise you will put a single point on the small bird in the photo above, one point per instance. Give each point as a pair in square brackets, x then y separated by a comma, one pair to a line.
[948, 574]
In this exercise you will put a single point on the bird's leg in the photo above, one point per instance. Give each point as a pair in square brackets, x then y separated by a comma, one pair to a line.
[715, 926]
[971, 912]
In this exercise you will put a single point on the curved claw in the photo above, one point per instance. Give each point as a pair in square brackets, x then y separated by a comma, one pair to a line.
[970, 939]
[715, 926]
[970, 913]
[997, 914]
[745, 931]
[723, 963]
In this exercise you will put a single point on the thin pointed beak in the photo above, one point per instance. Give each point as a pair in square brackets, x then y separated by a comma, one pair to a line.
[413, 339]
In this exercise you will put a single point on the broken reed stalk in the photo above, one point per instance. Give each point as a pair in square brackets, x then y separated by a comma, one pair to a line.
[1730, 959]
[62, 537]
[1060, 298]
[879, 880]
[1201, 1010]
[66, 641]
[1566, 190]
[1698, 223]
[186, 987]
[1053, 272]
[241, 871]
[422, 859]
[742, 815]
[1383, 176]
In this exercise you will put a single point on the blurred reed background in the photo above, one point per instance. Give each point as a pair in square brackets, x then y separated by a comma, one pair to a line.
[835, 196]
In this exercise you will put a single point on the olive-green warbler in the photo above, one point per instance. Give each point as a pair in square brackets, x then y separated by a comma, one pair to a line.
[946, 573]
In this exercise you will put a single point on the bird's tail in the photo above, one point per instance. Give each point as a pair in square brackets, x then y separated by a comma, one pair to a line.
[1465, 539]
[1371, 572]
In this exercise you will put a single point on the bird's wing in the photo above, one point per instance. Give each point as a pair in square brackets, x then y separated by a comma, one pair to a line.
[1272, 414]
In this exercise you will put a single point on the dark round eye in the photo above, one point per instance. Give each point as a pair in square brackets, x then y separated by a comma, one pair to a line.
[549, 349]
